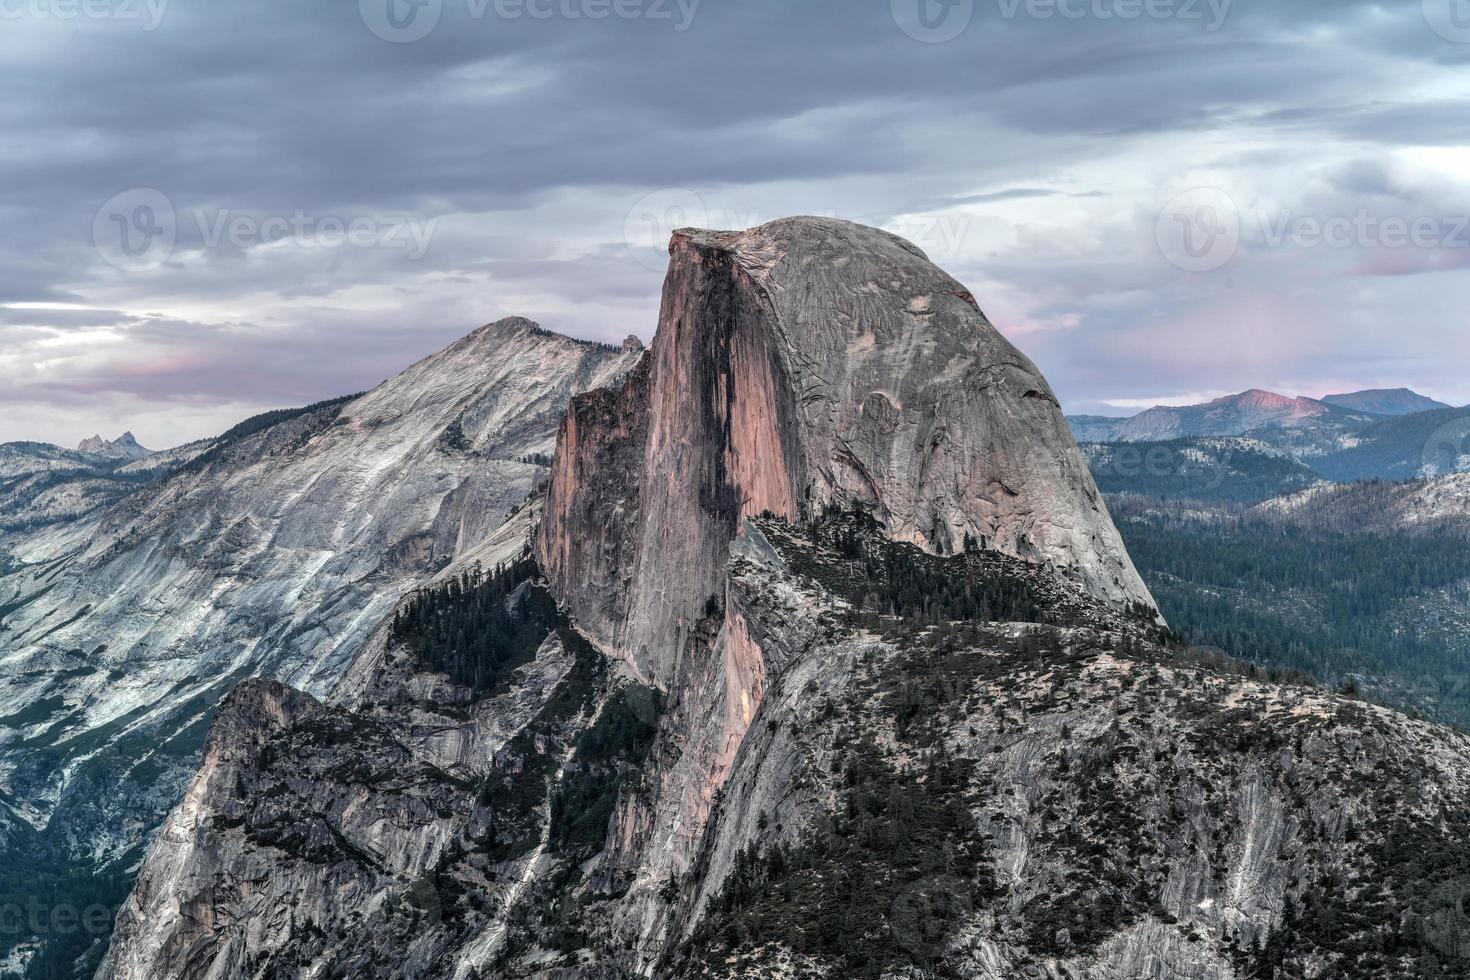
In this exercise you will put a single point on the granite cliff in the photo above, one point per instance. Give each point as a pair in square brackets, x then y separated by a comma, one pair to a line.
[807, 363]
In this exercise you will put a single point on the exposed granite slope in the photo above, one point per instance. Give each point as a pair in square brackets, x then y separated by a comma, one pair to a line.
[274, 551]
[991, 800]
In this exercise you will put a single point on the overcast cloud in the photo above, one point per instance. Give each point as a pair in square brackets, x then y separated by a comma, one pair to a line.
[213, 207]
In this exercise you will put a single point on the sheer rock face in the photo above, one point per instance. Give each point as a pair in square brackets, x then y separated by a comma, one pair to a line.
[807, 362]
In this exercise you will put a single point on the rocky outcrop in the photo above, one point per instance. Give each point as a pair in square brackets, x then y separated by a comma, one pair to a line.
[1125, 810]
[124, 447]
[393, 830]
[315, 836]
[804, 363]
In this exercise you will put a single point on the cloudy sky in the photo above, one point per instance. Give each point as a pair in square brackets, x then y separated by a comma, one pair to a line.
[212, 207]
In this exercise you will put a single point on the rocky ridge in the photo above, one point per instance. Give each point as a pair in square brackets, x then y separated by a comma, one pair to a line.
[1232, 415]
[1063, 798]
[123, 447]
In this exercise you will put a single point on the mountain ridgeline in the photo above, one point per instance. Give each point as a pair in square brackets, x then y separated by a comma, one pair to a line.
[1258, 445]
[820, 656]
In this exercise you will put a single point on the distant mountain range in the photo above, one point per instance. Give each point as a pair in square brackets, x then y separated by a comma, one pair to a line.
[1259, 444]
[1248, 411]
[42, 484]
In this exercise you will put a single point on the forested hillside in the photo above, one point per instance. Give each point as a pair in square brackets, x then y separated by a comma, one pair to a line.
[1336, 584]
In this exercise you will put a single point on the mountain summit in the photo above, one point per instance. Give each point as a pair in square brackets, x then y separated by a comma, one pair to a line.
[123, 447]
[802, 365]
[273, 550]
[1231, 415]
[1385, 401]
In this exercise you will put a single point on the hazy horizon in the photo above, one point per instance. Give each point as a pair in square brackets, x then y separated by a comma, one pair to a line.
[1106, 411]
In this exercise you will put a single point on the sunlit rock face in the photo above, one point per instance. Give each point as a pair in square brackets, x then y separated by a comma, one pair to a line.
[804, 363]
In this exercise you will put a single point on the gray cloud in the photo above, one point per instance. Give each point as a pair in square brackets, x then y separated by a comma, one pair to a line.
[1030, 155]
